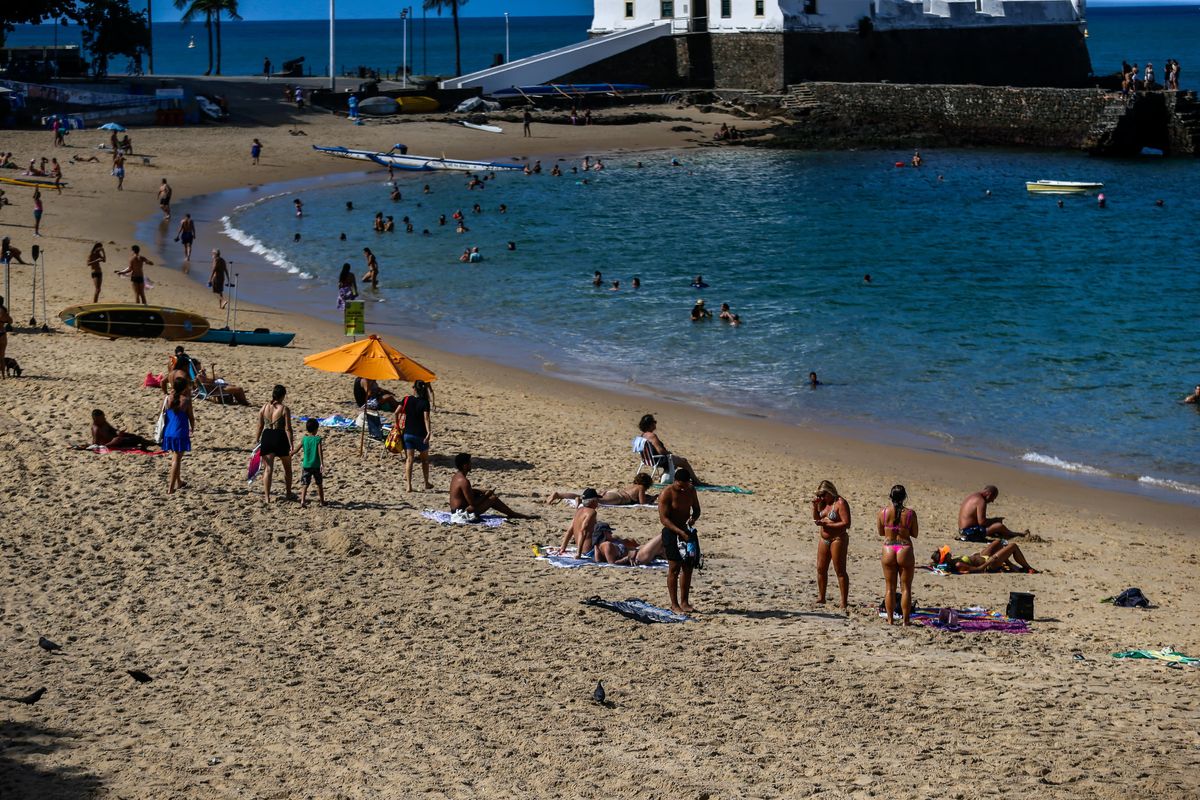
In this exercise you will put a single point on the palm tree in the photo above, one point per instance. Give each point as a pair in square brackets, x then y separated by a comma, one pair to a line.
[220, 7]
[195, 8]
[438, 5]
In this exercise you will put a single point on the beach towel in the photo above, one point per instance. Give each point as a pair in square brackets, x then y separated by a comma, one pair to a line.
[254, 465]
[635, 608]
[713, 487]
[973, 619]
[100, 449]
[333, 421]
[567, 559]
[446, 518]
[573, 503]
[1168, 654]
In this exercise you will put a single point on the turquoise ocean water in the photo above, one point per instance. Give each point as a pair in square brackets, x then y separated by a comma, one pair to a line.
[999, 325]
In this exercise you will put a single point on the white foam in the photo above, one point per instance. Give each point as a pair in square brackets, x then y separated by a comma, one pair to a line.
[268, 254]
[1186, 488]
[1058, 463]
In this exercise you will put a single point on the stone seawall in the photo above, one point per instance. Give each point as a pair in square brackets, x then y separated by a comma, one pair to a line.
[838, 115]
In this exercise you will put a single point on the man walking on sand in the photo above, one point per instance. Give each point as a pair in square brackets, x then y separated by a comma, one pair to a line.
[974, 525]
[678, 510]
[136, 277]
[219, 277]
[164, 199]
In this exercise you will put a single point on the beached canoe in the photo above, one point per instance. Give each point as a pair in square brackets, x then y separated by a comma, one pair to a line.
[260, 337]
[379, 106]
[1063, 187]
[34, 181]
[134, 321]
[412, 162]
[485, 128]
[418, 104]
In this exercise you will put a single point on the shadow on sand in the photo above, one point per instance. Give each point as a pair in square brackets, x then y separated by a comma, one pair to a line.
[20, 778]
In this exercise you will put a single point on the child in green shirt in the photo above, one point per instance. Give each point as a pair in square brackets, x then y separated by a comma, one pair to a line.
[310, 466]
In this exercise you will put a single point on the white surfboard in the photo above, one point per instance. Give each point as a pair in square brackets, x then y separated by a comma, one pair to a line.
[488, 128]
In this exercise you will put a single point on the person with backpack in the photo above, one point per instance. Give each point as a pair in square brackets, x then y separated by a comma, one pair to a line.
[413, 418]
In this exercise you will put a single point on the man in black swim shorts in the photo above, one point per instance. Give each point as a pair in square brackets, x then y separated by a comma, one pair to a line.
[975, 525]
[678, 510]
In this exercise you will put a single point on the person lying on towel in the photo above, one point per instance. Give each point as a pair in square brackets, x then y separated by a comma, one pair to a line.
[993, 558]
[633, 494]
[105, 435]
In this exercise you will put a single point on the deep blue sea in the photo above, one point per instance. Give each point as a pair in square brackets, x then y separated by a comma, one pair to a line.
[995, 324]
[1137, 34]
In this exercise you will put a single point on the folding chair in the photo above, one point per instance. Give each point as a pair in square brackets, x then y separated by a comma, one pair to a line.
[661, 467]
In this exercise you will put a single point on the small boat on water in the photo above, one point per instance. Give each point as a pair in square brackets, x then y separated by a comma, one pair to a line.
[1063, 187]
[401, 160]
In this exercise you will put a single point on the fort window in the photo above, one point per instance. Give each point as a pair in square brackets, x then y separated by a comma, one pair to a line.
[628, 10]
[666, 9]
[758, 8]
[726, 9]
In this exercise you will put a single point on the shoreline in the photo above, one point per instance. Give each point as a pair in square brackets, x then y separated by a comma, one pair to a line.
[370, 639]
[265, 279]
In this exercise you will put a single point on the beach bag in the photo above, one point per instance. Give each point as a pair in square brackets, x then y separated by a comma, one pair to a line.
[1131, 598]
[395, 440]
[692, 556]
[160, 425]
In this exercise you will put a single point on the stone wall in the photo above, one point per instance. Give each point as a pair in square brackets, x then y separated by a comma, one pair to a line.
[865, 114]
[661, 64]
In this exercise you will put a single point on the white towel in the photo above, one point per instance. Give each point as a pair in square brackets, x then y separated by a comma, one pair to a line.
[446, 518]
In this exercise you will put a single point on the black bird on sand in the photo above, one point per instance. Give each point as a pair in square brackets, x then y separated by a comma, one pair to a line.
[29, 699]
[139, 676]
[48, 645]
[598, 695]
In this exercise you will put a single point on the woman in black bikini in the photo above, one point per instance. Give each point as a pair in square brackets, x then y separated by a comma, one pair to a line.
[831, 514]
[94, 260]
[274, 437]
[898, 527]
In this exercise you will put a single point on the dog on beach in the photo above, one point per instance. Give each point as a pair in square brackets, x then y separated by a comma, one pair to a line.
[11, 366]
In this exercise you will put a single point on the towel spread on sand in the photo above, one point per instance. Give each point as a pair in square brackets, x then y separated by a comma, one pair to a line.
[333, 421]
[637, 609]
[446, 518]
[567, 559]
[102, 450]
[573, 503]
[712, 487]
[1168, 654]
[970, 620]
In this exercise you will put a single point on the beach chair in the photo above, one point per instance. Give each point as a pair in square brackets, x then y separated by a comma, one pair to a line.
[660, 467]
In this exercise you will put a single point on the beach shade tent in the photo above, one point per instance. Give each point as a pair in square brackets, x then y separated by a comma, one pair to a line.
[370, 358]
[111, 126]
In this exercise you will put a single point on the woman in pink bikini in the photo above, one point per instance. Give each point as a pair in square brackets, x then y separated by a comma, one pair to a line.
[898, 527]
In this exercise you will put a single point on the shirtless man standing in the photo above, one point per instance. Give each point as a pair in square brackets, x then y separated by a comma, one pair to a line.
[678, 510]
[136, 276]
[164, 199]
[219, 277]
[975, 525]
[475, 501]
[582, 524]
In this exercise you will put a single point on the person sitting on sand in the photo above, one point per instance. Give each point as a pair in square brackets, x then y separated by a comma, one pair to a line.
[464, 497]
[993, 558]
[1193, 398]
[633, 494]
[609, 549]
[218, 391]
[366, 390]
[583, 524]
[105, 435]
[648, 425]
[975, 525]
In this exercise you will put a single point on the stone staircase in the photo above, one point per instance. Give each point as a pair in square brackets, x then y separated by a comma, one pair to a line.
[800, 99]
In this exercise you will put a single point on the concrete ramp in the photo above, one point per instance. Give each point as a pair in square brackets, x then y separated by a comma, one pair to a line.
[545, 67]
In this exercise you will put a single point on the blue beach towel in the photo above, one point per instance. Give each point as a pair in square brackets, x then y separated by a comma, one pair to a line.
[637, 609]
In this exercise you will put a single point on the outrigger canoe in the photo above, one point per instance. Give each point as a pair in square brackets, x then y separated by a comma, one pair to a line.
[1063, 187]
[404, 161]
[260, 337]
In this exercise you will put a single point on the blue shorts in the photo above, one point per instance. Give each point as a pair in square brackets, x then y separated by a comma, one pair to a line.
[415, 443]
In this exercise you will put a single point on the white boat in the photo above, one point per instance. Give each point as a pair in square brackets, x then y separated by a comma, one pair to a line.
[425, 163]
[1063, 187]
[487, 128]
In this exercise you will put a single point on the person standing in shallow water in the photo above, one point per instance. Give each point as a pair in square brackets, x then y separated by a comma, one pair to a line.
[831, 515]
[347, 286]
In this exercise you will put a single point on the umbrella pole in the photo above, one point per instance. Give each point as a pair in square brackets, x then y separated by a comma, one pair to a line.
[362, 433]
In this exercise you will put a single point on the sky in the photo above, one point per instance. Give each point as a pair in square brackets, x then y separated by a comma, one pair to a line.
[164, 10]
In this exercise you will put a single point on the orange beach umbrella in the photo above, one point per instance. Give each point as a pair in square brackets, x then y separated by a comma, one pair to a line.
[370, 358]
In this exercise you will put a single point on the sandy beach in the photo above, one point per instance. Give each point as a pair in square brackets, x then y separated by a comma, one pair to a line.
[360, 650]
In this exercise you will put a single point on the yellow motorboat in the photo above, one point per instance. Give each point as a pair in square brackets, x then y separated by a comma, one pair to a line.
[1063, 187]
